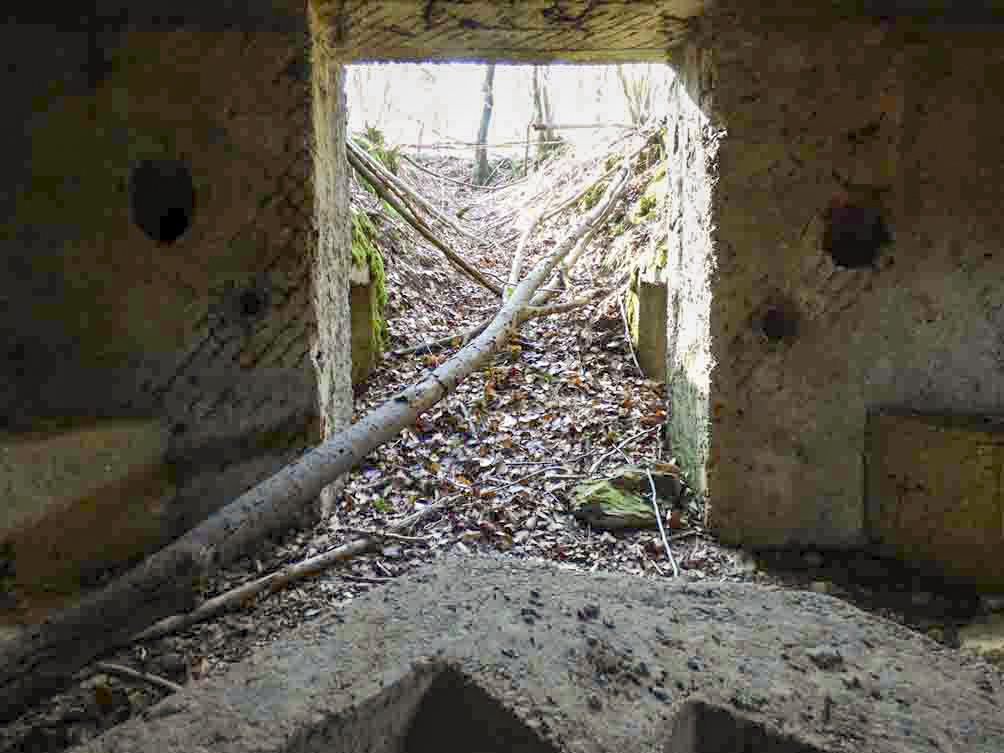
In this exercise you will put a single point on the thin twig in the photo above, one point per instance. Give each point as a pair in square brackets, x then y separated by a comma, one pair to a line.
[520, 480]
[278, 580]
[365, 579]
[468, 144]
[570, 126]
[662, 531]
[413, 219]
[623, 444]
[135, 674]
[392, 536]
[463, 183]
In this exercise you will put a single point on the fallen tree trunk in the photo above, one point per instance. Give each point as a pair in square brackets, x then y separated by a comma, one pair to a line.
[531, 311]
[43, 660]
[411, 217]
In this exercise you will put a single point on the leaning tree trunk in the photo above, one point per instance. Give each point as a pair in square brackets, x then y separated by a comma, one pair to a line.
[481, 153]
[546, 137]
[43, 661]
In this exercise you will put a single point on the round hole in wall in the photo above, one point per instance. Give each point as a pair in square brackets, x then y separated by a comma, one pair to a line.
[777, 318]
[777, 324]
[854, 234]
[251, 303]
[162, 196]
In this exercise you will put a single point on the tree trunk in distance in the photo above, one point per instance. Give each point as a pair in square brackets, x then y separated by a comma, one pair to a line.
[481, 153]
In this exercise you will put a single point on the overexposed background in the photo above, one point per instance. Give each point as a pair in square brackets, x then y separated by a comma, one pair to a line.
[441, 102]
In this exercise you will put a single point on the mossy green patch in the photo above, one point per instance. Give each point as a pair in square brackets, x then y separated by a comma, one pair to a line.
[365, 253]
[687, 429]
[372, 142]
[593, 195]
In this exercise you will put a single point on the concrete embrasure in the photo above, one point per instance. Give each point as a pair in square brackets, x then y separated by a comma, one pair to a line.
[486, 654]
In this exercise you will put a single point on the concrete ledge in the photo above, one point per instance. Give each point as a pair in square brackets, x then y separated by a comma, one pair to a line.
[934, 492]
[485, 654]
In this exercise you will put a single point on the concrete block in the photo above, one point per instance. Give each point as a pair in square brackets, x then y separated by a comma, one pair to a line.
[933, 493]
[78, 501]
[651, 337]
[492, 655]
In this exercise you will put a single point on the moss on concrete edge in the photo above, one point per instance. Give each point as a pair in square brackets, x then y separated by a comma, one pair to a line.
[687, 428]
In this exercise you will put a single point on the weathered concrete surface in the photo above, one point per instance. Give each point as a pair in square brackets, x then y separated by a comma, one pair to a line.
[490, 654]
[75, 502]
[880, 121]
[692, 145]
[155, 231]
[934, 486]
[332, 356]
[534, 31]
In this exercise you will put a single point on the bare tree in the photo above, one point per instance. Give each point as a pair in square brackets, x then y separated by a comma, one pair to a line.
[601, 93]
[638, 88]
[546, 137]
[481, 153]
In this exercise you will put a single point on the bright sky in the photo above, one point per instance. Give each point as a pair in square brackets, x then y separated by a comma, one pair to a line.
[447, 98]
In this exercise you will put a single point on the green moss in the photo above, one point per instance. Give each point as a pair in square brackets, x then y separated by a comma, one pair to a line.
[662, 254]
[593, 195]
[365, 253]
[646, 206]
[687, 428]
[372, 142]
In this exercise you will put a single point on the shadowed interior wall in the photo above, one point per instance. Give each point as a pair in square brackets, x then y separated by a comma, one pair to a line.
[859, 257]
[156, 235]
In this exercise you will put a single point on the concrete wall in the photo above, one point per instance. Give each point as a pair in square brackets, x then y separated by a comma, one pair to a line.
[850, 119]
[693, 140]
[795, 142]
[205, 336]
[332, 356]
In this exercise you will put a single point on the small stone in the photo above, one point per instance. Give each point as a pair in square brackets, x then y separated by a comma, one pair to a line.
[826, 657]
[813, 559]
[821, 586]
[661, 693]
[992, 602]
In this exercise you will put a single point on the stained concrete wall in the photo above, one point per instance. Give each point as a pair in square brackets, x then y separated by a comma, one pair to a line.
[332, 356]
[205, 336]
[783, 129]
[692, 148]
[899, 120]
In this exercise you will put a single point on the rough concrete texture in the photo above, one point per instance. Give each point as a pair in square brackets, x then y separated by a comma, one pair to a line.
[853, 123]
[332, 355]
[157, 240]
[486, 654]
[692, 144]
[647, 300]
[532, 31]
[61, 490]
[933, 492]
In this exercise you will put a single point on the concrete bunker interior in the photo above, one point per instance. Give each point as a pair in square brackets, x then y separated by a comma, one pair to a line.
[779, 369]
[834, 350]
